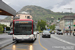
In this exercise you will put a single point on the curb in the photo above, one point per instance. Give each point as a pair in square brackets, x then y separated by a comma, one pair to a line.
[4, 44]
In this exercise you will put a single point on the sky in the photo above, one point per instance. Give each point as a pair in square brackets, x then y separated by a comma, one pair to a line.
[53, 5]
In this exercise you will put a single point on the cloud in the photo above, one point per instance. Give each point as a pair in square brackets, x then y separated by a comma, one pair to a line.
[18, 4]
[54, 5]
[2, 17]
[63, 7]
[64, 2]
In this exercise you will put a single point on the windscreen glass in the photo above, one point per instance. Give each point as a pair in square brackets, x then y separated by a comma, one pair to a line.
[46, 32]
[23, 27]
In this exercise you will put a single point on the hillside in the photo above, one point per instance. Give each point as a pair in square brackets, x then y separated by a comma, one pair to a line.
[41, 13]
[8, 18]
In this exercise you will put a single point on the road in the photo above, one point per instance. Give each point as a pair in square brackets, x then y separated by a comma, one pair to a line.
[56, 42]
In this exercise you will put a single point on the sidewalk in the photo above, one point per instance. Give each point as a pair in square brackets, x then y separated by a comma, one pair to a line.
[5, 40]
[68, 34]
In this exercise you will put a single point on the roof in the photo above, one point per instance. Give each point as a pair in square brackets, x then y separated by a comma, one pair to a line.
[23, 12]
[6, 9]
[23, 20]
[68, 17]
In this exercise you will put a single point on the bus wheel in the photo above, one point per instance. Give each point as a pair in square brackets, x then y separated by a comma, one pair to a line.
[32, 41]
[15, 41]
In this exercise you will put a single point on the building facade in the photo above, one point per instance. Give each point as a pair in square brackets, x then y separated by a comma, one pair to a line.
[22, 15]
[67, 23]
[5, 22]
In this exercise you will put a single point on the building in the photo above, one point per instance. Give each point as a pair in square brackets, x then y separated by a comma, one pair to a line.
[5, 22]
[22, 15]
[66, 23]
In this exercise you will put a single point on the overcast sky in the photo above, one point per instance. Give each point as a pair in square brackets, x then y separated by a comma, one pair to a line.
[54, 5]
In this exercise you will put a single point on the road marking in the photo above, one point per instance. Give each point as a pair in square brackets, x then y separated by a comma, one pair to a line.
[63, 40]
[41, 44]
[13, 48]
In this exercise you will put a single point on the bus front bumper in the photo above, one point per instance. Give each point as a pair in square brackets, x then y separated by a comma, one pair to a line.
[23, 39]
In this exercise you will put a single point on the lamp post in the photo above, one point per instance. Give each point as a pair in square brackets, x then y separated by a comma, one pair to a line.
[70, 19]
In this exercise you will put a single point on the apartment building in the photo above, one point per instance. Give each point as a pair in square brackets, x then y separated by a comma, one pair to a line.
[66, 23]
[5, 22]
[22, 15]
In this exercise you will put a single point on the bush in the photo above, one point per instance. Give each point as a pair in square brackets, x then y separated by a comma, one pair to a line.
[1, 29]
[40, 31]
[50, 31]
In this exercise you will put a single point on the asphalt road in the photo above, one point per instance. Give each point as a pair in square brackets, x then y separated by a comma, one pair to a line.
[56, 42]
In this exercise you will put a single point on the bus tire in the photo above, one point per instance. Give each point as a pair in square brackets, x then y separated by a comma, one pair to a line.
[32, 41]
[15, 41]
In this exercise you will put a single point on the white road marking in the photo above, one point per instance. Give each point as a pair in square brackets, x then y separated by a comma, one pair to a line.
[62, 40]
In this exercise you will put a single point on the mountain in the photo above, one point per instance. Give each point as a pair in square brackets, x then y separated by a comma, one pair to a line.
[8, 18]
[39, 13]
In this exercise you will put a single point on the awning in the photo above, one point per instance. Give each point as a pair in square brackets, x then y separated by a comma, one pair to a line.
[6, 10]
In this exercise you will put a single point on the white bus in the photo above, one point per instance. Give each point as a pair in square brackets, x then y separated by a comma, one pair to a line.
[23, 29]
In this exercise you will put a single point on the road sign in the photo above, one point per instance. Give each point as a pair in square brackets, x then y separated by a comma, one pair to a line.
[48, 29]
[74, 25]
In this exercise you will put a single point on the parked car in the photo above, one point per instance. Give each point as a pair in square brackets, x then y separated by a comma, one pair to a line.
[37, 32]
[59, 32]
[46, 33]
[10, 32]
[52, 32]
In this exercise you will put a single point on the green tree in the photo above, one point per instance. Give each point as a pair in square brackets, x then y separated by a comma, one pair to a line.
[3, 25]
[39, 28]
[42, 24]
[52, 27]
[1, 28]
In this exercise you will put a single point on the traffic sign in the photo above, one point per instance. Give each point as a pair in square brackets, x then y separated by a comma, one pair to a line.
[74, 25]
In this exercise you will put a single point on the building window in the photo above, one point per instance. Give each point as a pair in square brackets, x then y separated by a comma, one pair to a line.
[19, 16]
[28, 17]
[68, 23]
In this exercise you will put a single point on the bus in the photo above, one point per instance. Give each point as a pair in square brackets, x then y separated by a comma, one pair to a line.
[23, 29]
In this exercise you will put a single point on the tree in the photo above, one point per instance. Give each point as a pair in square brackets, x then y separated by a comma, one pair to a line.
[1, 28]
[42, 24]
[39, 28]
[52, 27]
[3, 25]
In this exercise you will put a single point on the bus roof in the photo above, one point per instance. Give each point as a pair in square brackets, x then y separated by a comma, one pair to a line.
[23, 20]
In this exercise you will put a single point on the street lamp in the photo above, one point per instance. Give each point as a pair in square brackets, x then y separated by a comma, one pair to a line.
[69, 9]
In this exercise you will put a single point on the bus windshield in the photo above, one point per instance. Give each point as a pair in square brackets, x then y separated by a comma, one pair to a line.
[23, 28]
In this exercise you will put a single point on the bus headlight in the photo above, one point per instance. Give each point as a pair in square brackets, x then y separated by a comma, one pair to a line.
[14, 38]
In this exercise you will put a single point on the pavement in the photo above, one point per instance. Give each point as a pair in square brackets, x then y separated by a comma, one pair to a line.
[56, 42]
[5, 40]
